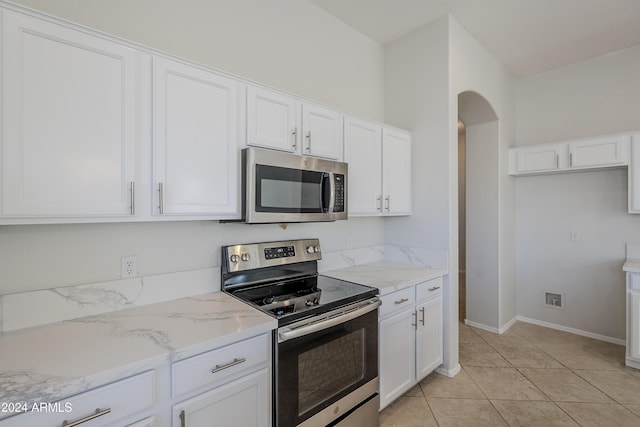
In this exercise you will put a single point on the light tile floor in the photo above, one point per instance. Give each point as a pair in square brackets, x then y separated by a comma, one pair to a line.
[529, 376]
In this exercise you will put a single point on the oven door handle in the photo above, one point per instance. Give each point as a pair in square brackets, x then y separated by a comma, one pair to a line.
[288, 334]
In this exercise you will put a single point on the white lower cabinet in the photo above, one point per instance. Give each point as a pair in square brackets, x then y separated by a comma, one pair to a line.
[633, 320]
[147, 422]
[232, 386]
[410, 338]
[112, 404]
[240, 403]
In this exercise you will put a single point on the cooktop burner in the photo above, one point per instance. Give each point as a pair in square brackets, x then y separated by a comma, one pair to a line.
[287, 287]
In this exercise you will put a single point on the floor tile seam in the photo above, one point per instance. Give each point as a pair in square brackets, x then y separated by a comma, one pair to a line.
[595, 386]
[554, 403]
[494, 349]
[601, 403]
[534, 384]
[433, 414]
[474, 383]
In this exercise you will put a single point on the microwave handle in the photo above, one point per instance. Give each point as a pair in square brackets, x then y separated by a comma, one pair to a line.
[327, 192]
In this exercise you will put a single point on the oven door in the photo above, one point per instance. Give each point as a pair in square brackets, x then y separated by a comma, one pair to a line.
[331, 358]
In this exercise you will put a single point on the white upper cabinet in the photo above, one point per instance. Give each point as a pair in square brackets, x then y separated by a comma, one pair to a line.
[195, 150]
[280, 122]
[69, 122]
[271, 120]
[396, 172]
[321, 132]
[379, 168]
[600, 152]
[536, 159]
[363, 153]
[634, 174]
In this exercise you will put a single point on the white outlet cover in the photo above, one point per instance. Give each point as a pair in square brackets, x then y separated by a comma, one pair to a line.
[129, 267]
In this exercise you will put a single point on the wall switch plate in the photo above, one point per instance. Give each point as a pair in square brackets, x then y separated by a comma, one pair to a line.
[129, 267]
[575, 236]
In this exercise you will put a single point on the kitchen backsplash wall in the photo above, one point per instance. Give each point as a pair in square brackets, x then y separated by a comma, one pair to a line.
[27, 309]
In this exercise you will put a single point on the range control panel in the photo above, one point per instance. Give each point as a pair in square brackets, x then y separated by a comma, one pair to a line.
[260, 255]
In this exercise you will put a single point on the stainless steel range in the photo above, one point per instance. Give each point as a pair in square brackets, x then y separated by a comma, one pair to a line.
[326, 344]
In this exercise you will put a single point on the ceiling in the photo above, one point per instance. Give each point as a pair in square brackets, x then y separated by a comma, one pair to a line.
[526, 36]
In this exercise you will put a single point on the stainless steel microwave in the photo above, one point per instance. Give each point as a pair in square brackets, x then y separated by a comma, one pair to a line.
[282, 188]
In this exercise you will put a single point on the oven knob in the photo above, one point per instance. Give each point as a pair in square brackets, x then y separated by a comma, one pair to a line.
[310, 249]
[315, 301]
[309, 303]
[245, 257]
[316, 248]
[234, 258]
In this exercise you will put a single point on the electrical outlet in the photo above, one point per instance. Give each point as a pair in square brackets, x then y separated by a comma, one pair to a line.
[129, 266]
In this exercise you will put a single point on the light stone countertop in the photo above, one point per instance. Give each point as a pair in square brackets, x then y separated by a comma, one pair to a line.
[47, 363]
[386, 276]
[631, 266]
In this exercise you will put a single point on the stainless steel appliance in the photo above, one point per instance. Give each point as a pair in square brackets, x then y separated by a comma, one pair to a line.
[281, 188]
[326, 344]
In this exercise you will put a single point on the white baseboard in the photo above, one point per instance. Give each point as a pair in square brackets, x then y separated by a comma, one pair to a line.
[449, 372]
[506, 327]
[572, 330]
[480, 326]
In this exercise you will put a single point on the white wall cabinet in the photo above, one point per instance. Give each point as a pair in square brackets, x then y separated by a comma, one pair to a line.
[278, 121]
[195, 147]
[379, 169]
[634, 174]
[411, 340]
[69, 122]
[633, 320]
[600, 152]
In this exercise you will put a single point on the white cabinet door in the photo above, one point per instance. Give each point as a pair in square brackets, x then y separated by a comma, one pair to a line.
[69, 122]
[633, 326]
[242, 403]
[397, 355]
[396, 172]
[634, 175]
[428, 337]
[321, 132]
[195, 157]
[271, 120]
[537, 158]
[605, 151]
[363, 151]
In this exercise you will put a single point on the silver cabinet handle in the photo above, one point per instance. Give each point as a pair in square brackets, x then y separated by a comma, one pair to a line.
[236, 361]
[435, 288]
[401, 301]
[294, 132]
[309, 141]
[571, 159]
[133, 198]
[387, 203]
[183, 422]
[415, 320]
[557, 161]
[99, 412]
[422, 311]
[379, 203]
[161, 197]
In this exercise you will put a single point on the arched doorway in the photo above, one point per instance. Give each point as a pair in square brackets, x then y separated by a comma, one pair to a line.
[478, 226]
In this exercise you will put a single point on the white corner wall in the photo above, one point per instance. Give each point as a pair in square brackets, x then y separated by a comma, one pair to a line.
[474, 69]
[288, 44]
[593, 97]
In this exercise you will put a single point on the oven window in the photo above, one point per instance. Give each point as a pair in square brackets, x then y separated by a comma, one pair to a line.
[325, 371]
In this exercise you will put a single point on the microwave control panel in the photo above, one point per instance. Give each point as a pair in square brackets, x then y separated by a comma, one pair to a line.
[338, 205]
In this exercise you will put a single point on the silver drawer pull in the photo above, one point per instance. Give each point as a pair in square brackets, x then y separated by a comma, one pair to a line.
[435, 288]
[402, 301]
[99, 412]
[236, 361]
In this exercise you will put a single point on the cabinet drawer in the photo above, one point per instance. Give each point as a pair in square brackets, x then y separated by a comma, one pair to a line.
[397, 301]
[115, 401]
[634, 281]
[211, 367]
[428, 290]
